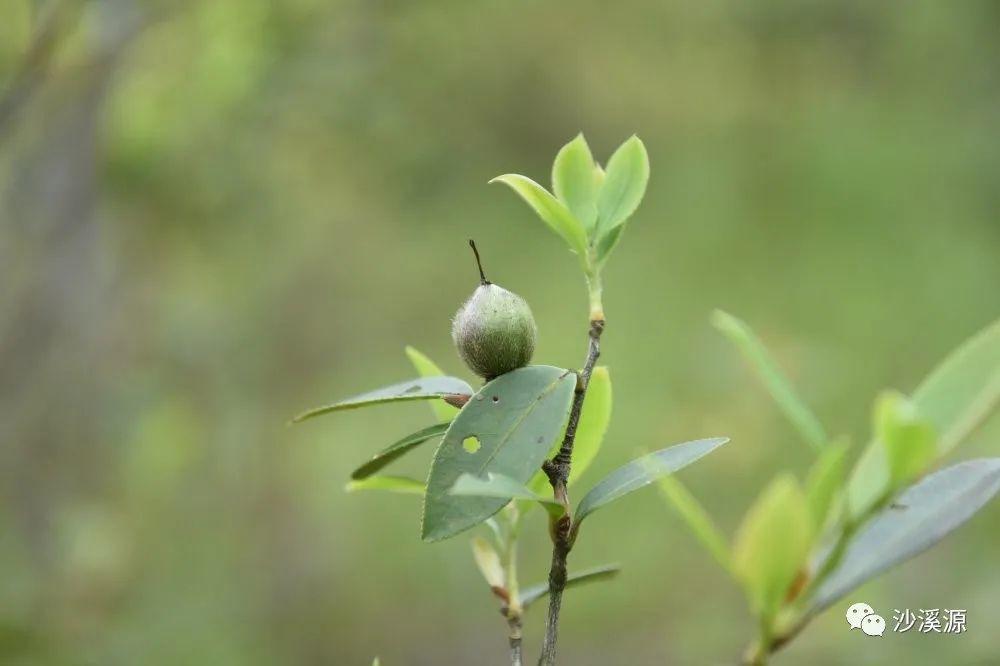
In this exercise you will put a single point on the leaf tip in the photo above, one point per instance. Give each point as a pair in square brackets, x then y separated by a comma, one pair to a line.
[722, 320]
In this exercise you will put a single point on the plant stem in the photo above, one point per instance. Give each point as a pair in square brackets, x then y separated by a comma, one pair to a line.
[558, 470]
[514, 622]
[595, 289]
[513, 611]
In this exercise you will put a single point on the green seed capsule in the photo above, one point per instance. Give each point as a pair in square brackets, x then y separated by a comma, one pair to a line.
[494, 331]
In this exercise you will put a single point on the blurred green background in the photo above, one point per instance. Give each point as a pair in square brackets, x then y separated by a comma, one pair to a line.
[214, 214]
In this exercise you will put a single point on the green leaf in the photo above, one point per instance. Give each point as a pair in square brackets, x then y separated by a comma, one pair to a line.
[607, 243]
[594, 420]
[794, 409]
[551, 210]
[697, 519]
[426, 388]
[574, 182]
[500, 486]
[957, 396]
[509, 423]
[825, 482]
[488, 562]
[643, 471]
[963, 390]
[772, 545]
[869, 483]
[394, 484]
[427, 368]
[909, 441]
[536, 592]
[390, 453]
[626, 176]
[918, 518]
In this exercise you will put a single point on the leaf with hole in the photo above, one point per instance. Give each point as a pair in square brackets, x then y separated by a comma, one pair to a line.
[756, 354]
[772, 545]
[392, 484]
[403, 446]
[427, 368]
[916, 519]
[426, 388]
[574, 181]
[552, 211]
[536, 592]
[512, 421]
[643, 471]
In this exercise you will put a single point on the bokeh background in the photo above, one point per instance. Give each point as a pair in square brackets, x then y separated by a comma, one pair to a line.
[214, 214]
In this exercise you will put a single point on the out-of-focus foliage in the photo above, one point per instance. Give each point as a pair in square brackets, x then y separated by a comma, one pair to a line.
[212, 212]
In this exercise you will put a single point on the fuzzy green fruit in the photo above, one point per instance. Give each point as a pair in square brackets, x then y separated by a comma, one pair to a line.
[494, 331]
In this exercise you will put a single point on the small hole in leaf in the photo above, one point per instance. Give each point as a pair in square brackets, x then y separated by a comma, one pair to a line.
[496, 398]
[471, 444]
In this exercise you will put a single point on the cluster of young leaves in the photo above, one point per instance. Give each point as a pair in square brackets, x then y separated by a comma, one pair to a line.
[803, 546]
[589, 205]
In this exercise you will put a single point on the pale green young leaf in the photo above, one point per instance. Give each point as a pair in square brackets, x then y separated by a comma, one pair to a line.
[426, 388]
[963, 391]
[626, 176]
[772, 544]
[825, 482]
[393, 484]
[959, 395]
[427, 368]
[607, 243]
[869, 482]
[918, 518]
[505, 429]
[573, 181]
[594, 421]
[574, 579]
[643, 471]
[909, 440]
[394, 451]
[793, 407]
[552, 211]
[697, 519]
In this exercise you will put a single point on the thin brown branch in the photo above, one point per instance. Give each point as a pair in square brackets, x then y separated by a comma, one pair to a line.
[558, 470]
